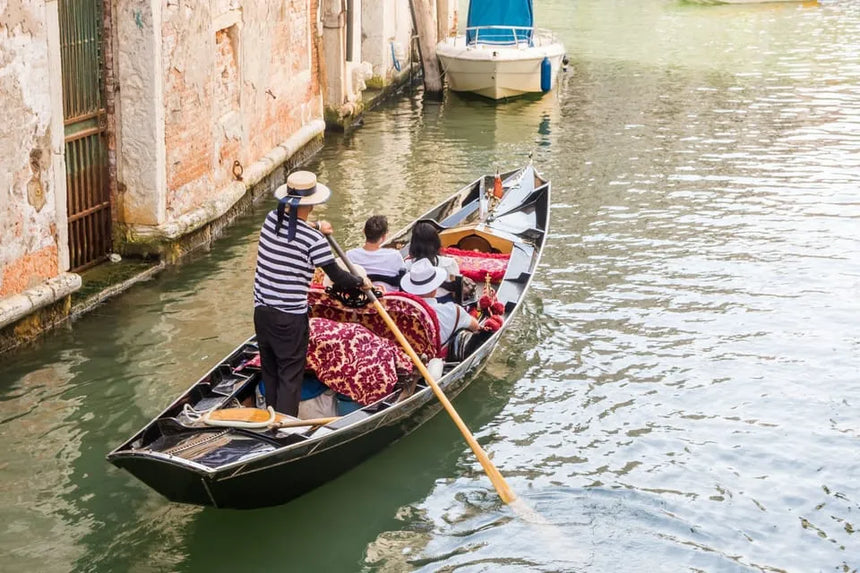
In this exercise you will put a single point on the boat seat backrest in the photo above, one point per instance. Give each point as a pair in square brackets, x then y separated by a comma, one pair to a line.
[477, 265]
[415, 319]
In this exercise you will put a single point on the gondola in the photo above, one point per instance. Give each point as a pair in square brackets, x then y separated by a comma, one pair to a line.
[496, 226]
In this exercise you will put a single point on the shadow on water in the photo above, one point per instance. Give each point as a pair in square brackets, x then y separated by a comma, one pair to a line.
[329, 528]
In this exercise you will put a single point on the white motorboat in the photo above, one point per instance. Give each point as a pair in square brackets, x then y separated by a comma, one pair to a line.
[749, 1]
[502, 54]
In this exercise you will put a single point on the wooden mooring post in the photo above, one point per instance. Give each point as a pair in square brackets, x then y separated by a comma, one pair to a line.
[422, 17]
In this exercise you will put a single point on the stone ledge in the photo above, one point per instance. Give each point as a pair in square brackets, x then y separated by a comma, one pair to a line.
[16, 307]
[105, 287]
[379, 90]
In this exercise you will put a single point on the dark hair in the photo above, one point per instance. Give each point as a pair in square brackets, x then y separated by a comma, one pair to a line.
[375, 228]
[425, 243]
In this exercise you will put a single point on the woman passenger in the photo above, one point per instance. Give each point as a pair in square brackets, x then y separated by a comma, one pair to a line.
[425, 244]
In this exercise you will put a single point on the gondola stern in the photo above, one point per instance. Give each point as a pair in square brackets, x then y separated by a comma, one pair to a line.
[176, 479]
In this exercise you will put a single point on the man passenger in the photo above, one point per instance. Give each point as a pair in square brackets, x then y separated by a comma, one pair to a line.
[383, 266]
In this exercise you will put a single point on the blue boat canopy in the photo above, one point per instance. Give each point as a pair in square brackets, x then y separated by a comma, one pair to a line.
[509, 13]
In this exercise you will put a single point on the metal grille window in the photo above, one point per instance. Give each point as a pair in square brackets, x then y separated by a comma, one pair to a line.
[85, 122]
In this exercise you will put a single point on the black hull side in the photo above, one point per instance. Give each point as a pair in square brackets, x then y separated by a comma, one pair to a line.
[286, 480]
[286, 474]
[176, 482]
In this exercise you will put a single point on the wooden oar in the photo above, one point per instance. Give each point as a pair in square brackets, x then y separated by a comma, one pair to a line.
[499, 482]
[308, 422]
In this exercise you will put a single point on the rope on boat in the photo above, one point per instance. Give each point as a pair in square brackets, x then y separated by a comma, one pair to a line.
[189, 412]
[195, 416]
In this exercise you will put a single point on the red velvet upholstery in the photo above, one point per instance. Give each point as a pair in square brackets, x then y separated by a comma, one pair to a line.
[353, 361]
[415, 319]
[476, 265]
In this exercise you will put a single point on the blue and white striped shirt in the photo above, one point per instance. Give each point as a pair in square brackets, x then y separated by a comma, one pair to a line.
[285, 268]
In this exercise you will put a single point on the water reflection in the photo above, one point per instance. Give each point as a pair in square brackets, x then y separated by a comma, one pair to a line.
[37, 406]
[410, 158]
[700, 277]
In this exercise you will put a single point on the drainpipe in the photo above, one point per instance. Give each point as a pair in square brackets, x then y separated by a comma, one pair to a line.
[350, 32]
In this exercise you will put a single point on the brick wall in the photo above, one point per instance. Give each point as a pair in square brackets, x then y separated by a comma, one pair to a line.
[239, 79]
[189, 59]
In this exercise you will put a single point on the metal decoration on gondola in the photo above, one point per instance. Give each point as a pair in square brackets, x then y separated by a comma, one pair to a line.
[351, 297]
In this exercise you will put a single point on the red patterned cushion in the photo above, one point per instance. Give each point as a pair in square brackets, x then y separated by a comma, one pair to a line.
[476, 265]
[415, 319]
[350, 359]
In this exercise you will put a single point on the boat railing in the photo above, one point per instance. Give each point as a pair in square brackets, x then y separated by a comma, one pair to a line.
[499, 35]
[523, 36]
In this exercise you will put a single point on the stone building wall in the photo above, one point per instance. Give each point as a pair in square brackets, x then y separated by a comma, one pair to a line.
[33, 241]
[235, 84]
[387, 35]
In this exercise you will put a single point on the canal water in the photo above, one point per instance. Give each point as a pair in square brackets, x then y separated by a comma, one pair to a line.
[681, 392]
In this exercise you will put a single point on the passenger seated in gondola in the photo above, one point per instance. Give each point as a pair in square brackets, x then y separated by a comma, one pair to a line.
[424, 279]
[384, 266]
[426, 244]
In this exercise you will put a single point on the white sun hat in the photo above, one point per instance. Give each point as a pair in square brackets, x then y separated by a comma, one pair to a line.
[423, 278]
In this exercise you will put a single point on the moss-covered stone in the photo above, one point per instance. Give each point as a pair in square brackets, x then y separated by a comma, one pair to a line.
[34, 324]
[95, 280]
[333, 119]
[375, 83]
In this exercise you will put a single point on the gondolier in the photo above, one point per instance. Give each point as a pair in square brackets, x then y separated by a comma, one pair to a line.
[290, 249]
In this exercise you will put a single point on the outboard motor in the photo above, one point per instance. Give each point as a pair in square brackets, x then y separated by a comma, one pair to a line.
[545, 75]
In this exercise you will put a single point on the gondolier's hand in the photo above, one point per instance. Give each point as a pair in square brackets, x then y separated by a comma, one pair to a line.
[325, 227]
[366, 285]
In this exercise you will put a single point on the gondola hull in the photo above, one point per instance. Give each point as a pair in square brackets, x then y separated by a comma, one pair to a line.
[283, 476]
[259, 469]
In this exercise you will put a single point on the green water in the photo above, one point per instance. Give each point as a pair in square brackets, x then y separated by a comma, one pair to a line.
[680, 392]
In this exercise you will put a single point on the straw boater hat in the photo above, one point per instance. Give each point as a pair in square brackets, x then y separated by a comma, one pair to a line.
[302, 188]
[423, 278]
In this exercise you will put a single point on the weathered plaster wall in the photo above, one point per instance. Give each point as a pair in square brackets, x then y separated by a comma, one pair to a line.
[237, 83]
[141, 193]
[32, 231]
[387, 25]
[377, 31]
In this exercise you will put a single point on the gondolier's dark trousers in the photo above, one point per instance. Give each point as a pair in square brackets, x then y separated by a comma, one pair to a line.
[283, 341]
